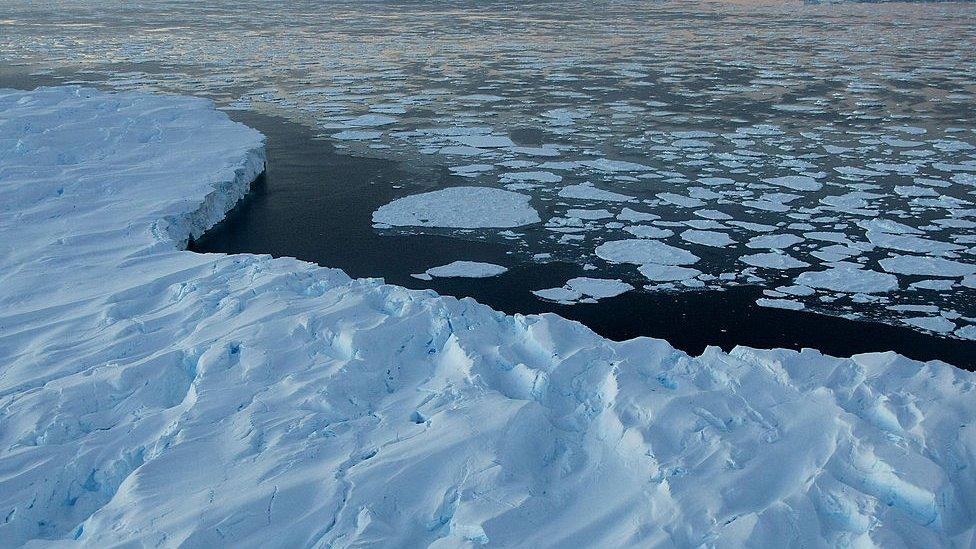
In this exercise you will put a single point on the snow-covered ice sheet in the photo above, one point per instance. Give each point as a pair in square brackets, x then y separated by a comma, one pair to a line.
[153, 396]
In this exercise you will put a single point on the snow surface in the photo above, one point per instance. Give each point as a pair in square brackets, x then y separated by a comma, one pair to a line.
[153, 396]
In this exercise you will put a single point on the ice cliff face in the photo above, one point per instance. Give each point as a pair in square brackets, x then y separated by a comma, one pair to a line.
[160, 397]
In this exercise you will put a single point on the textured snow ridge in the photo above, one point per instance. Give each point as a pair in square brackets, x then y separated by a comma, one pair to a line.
[154, 396]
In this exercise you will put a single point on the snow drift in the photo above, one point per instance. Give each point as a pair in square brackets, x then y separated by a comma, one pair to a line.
[155, 396]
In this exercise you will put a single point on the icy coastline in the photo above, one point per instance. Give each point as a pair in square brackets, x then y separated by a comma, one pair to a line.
[155, 396]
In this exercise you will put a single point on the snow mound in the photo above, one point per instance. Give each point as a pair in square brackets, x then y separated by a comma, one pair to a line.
[152, 396]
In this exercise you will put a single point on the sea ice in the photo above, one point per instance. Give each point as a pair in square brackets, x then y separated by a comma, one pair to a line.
[926, 266]
[540, 177]
[707, 238]
[370, 120]
[466, 269]
[931, 323]
[641, 252]
[773, 260]
[849, 280]
[484, 141]
[578, 288]
[774, 241]
[648, 231]
[795, 182]
[667, 273]
[587, 191]
[356, 135]
[459, 207]
[780, 304]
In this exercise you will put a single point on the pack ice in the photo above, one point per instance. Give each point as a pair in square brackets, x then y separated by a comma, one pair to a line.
[153, 396]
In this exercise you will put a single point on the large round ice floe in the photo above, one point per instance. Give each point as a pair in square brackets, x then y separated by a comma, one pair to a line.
[849, 280]
[773, 260]
[926, 266]
[667, 273]
[584, 288]
[460, 208]
[641, 251]
[795, 182]
[466, 269]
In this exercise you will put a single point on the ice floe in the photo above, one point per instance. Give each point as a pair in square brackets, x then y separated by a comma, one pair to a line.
[926, 266]
[466, 269]
[459, 207]
[584, 289]
[641, 252]
[773, 260]
[849, 280]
